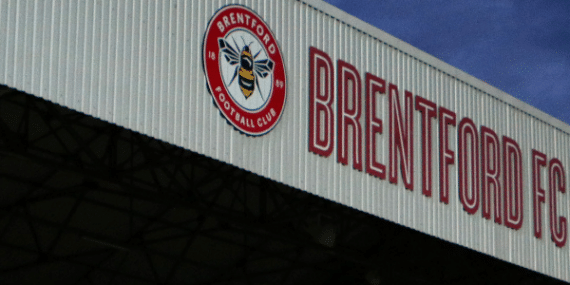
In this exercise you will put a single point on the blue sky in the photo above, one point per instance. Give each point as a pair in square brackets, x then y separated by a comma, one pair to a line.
[520, 47]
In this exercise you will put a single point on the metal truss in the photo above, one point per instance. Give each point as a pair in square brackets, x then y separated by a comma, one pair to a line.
[84, 201]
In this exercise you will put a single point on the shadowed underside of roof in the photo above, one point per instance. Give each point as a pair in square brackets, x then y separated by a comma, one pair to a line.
[83, 201]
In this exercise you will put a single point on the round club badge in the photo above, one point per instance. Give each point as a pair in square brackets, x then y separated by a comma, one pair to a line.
[244, 70]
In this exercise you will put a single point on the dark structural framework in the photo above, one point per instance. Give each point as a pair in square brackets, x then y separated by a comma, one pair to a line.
[83, 201]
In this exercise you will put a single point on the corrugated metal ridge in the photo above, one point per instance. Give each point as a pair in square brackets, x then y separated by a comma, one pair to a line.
[398, 44]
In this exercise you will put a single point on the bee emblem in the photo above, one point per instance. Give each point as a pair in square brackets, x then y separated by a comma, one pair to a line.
[247, 70]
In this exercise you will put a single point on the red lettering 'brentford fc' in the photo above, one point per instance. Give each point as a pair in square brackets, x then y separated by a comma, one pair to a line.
[244, 70]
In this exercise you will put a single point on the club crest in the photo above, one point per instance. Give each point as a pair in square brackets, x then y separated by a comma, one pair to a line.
[244, 70]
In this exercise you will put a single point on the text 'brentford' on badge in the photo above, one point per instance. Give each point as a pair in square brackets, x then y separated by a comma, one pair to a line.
[244, 70]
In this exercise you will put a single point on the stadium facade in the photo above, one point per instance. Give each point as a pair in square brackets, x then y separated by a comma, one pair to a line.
[263, 142]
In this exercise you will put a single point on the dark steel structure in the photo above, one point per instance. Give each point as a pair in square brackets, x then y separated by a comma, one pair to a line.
[83, 201]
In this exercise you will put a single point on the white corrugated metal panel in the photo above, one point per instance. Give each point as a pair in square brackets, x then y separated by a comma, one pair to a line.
[139, 64]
